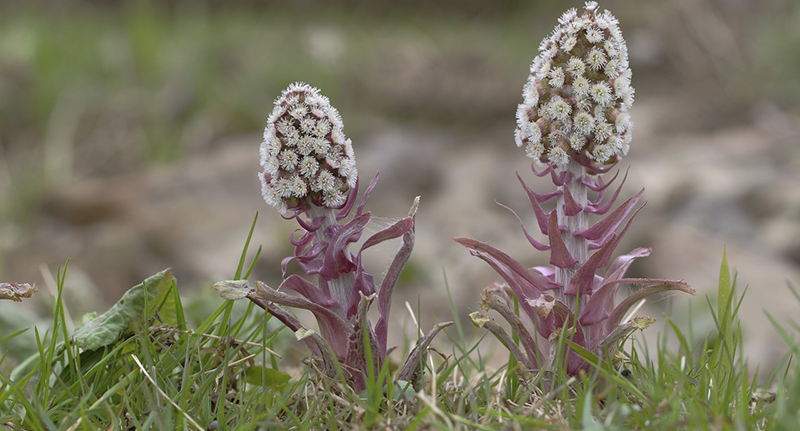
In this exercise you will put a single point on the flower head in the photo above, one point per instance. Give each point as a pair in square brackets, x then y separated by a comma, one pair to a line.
[579, 79]
[307, 159]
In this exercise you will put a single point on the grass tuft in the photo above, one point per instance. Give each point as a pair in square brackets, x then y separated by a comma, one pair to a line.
[225, 374]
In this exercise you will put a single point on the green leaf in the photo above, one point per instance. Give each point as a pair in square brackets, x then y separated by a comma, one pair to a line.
[403, 391]
[88, 359]
[724, 312]
[587, 356]
[176, 299]
[88, 317]
[111, 325]
[164, 302]
[266, 377]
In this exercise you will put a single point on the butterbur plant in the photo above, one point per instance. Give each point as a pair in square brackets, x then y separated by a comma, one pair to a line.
[310, 176]
[574, 122]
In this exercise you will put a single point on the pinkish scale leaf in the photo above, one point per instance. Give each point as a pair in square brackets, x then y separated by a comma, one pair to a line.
[536, 244]
[396, 230]
[494, 297]
[304, 239]
[571, 207]
[594, 245]
[364, 281]
[559, 255]
[585, 274]
[541, 216]
[310, 262]
[310, 226]
[392, 275]
[529, 284]
[583, 160]
[292, 323]
[561, 178]
[544, 197]
[650, 286]
[356, 363]
[552, 316]
[595, 170]
[308, 290]
[546, 271]
[596, 207]
[621, 264]
[599, 306]
[315, 343]
[594, 186]
[604, 228]
[337, 259]
[541, 174]
[620, 234]
[332, 327]
[367, 193]
[348, 204]
[363, 284]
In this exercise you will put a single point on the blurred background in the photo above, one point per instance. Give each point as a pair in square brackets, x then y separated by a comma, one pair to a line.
[129, 134]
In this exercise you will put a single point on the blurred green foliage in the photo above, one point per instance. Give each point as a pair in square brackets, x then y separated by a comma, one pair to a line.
[89, 89]
[93, 88]
[776, 44]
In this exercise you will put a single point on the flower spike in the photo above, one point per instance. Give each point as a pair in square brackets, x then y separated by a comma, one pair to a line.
[577, 99]
[309, 175]
[305, 154]
[574, 119]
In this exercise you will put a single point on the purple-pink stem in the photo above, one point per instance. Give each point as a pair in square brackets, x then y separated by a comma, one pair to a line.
[340, 288]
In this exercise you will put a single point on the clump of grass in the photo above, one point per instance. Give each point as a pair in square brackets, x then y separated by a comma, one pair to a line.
[223, 374]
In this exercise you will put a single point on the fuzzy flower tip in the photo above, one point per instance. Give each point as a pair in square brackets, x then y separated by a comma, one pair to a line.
[305, 156]
[579, 93]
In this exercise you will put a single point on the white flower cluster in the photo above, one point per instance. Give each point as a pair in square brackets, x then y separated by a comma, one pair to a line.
[305, 154]
[578, 96]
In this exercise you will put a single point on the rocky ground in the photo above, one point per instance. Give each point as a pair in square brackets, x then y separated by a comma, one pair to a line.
[709, 185]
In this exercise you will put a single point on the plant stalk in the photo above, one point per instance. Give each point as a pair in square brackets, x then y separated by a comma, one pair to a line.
[577, 246]
[340, 288]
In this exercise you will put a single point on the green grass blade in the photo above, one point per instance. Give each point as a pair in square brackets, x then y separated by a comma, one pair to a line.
[238, 274]
[725, 299]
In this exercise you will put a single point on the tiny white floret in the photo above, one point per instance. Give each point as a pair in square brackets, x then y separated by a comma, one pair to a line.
[558, 156]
